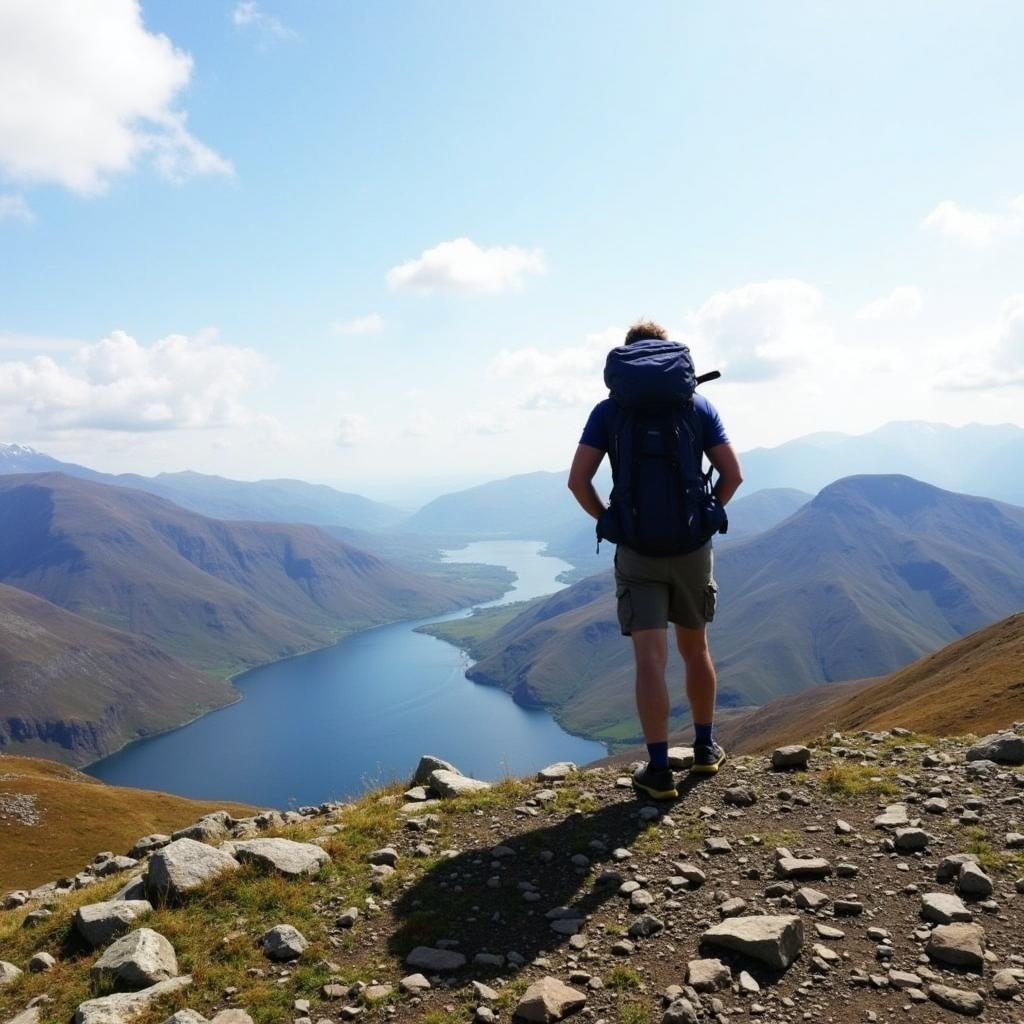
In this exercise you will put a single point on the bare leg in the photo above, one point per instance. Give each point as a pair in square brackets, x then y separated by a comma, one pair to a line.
[701, 682]
[650, 646]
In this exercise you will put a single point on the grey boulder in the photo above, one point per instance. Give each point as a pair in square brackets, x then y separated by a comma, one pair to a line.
[8, 973]
[428, 764]
[284, 856]
[100, 923]
[449, 784]
[1001, 747]
[183, 866]
[123, 1006]
[136, 960]
[944, 908]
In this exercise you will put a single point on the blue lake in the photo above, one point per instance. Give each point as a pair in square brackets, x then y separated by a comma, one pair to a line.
[329, 724]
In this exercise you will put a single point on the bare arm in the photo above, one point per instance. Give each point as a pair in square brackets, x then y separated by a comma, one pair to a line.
[724, 458]
[581, 477]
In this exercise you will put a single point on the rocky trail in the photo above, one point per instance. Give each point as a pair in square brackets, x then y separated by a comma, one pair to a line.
[866, 877]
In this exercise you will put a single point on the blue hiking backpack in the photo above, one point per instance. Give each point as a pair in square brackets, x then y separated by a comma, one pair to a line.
[662, 501]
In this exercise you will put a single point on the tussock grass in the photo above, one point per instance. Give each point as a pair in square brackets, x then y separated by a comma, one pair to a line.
[850, 780]
[632, 1012]
[623, 979]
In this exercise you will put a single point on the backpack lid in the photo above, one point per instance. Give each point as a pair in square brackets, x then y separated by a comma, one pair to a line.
[650, 373]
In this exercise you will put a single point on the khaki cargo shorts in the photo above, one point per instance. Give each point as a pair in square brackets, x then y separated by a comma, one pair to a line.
[653, 591]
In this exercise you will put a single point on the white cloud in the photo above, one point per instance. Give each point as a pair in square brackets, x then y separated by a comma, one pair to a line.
[249, 14]
[562, 377]
[488, 423]
[900, 303]
[119, 385]
[462, 266]
[419, 424]
[352, 428]
[755, 332]
[87, 92]
[372, 323]
[976, 227]
[14, 207]
[13, 341]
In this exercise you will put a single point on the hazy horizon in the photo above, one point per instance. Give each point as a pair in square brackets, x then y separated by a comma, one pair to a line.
[366, 245]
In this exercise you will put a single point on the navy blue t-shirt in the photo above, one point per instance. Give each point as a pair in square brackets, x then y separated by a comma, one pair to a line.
[595, 433]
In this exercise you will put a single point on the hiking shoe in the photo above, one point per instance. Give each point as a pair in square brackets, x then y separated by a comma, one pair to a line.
[656, 783]
[707, 758]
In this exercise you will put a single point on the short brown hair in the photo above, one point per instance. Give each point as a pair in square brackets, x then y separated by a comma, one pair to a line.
[646, 330]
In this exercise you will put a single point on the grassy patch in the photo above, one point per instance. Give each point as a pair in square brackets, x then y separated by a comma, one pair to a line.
[990, 859]
[849, 780]
[632, 1012]
[623, 979]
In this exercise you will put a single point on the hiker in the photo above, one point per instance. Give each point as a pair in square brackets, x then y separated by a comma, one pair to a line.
[661, 516]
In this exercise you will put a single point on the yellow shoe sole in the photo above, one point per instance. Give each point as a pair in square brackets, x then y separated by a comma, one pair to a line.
[708, 769]
[656, 794]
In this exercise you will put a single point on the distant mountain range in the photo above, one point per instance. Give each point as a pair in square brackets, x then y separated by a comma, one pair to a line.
[74, 688]
[973, 459]
[279, 501]
[972, 685]
[873, 572]
[168, 595]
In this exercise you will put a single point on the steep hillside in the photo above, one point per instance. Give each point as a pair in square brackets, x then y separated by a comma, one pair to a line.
[220, 595]
[871, 574]
[54, 819]
[76, 690]
[284, 501]
[972, 685]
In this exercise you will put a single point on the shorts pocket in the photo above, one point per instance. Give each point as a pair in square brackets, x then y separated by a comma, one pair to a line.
[624, 608]
[710, 601]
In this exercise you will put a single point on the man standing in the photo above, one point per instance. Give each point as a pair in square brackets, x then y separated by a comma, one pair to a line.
[656, 432]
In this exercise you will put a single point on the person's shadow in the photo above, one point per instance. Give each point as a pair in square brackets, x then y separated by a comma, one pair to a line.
[458, 903]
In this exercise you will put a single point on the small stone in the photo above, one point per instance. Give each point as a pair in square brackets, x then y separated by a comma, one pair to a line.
[791, 756]
[957, 999]
[40, 962]
[556, 772]
[680, 759]
[802, 867]
[549, 1000]
[284, 942]
[1006, 983]
[412, 984]
[972, 881]
[680, 1011]
[774, 940]
[894, 816]
[740, 796]
[708, 975]
[348, 918]
[811, 899]
[960, 945]
[943, 908]
[435, 960]
[908, 840]
[645, 926]
[451, 784]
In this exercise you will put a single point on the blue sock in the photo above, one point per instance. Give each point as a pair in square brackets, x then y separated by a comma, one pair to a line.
[658, 754]
[702, 734]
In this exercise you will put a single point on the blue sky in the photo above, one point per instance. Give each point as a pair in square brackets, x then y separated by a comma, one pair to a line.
[821, 198]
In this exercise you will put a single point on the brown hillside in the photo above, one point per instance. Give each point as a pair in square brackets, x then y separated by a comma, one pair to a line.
[973, 685]
[77, 817]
